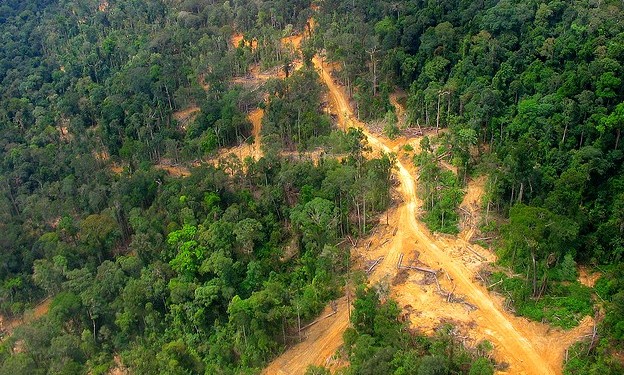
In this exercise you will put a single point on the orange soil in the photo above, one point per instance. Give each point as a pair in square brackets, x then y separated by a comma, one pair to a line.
[236, 39]
[186, 116]
[400, 111]
[63, 129]
[448, 166]
[256, 77]
[514, 339]
[103, 7]
[101, 156]
[116, 168]
[174, 170]
[245, 150]
[320, 343]
[470, 207]
[527, 347]
[588, 277]
[293, 41]
[8, 326]
[255, 117]
[119, 368]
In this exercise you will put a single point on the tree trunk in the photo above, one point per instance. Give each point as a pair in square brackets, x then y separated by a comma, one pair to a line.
[364, 211]
[438, 114]
[534, 275]
[299, 324]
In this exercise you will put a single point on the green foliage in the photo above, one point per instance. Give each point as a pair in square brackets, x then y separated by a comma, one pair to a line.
[317, 370]
[600, 360]
[317, 221]
[567, 271]
[391, 130]
[481, 366]
[440, 190]
[293, 116]
[564, 305]
[534, 89]
[378, 343]
[433, 365]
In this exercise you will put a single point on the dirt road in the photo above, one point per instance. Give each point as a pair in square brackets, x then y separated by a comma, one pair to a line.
[527, 347]
[503, 330]
[321, 342]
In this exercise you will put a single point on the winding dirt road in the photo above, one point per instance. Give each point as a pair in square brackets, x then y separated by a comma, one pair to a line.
[527, 347]
[519, 352]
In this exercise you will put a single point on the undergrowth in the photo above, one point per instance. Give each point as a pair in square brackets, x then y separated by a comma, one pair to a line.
[564, 304]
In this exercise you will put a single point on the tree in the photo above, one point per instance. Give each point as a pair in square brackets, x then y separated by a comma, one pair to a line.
[615, 121]
[481, 366]
[188, 253]
[317, 221]
[100, 232]
[248, 231]
[433, 365]
[49, 275]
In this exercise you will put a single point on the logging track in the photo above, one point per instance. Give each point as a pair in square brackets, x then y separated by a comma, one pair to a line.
[526, 347]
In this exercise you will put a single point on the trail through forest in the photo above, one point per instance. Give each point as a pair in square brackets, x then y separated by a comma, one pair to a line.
[526, 347]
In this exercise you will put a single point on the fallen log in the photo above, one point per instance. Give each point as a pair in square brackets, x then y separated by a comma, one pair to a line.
[440, 157]
[448, 297]
[470, 305]
[317, 320]
[341, 242]
[496, 283]
[400, 260]
[375, 263]
[421, 269]
[476, 253]
[437, 283]
[351, 240]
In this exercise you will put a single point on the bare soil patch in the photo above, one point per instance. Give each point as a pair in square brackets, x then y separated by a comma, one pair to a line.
[588, 277]
[186, 116]
[7, 326]
[470, 208]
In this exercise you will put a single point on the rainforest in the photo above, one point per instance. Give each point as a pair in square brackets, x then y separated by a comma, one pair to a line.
[311, 187]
